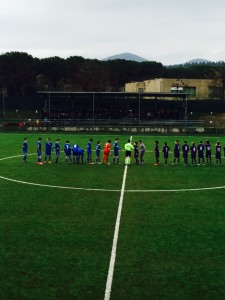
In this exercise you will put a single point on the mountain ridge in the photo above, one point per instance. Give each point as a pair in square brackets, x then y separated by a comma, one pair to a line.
[126, 56]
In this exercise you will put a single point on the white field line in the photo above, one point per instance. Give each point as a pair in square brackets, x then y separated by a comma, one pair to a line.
[115, 239]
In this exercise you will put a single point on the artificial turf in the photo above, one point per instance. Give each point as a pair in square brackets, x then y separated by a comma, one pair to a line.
[56, 242]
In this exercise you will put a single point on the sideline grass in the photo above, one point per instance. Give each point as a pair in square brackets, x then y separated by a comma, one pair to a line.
[56, 244]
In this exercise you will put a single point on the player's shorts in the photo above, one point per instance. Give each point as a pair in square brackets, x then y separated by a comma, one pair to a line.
[176, 154]
[128, 153]
[39, 153]
[208, 154]
[116, 153]
[218, 155]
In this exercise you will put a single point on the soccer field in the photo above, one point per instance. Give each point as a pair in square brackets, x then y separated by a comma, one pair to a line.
[59, 225]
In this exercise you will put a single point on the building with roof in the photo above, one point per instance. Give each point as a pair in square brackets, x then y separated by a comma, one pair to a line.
[195, 88]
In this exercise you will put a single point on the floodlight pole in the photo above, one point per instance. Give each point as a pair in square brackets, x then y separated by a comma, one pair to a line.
[139, 112]
[49, 110]
[93, 111]
[3, 104]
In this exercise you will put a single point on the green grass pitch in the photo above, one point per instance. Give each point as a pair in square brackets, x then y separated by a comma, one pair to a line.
[57, 225]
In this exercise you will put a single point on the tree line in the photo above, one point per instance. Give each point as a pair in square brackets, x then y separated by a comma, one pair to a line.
[23, 75]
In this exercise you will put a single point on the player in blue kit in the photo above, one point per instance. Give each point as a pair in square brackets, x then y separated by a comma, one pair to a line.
[218, 153]
[208, 153]
[48, 150]
[200, 149]
[57, 151]
[39, 152]
[80, 155]
[185, 150]
[156, 151]
[165, 151]
[75, 153]
[176, 152]
[25, 150]
[193, 151]
[116, 150]
[67, 150]
[98, 153]
[89, 152]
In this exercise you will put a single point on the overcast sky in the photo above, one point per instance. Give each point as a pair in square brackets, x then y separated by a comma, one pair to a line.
[167, 31]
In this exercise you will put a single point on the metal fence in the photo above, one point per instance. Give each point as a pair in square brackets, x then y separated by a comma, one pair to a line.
[120, 126]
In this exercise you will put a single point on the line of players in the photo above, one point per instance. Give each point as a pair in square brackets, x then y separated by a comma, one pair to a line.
[198, 153]
[75, 154]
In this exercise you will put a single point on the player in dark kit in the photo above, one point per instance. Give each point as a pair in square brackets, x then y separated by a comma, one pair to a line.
[208, 153]
[218, 153]
[136, 153]
[156, 151]
[48, 150]
[193, 150]
[185, 150]
[176, 152]
[200, 149]
[25, 150]
[165, 151]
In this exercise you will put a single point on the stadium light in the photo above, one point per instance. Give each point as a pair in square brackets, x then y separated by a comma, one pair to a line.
[3, 104]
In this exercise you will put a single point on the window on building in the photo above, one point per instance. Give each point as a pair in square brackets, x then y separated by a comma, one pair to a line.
[176, 89]
[214, 92]
[191, 91]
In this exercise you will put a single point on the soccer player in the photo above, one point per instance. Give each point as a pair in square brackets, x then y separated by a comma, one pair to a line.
[142, 151]
[136, 153]
[67, 150]
[185, 150]
[106, 152]
[89, 152]
[200, 149]
[165, 151]
[25, 150]
[218, 153]
[176, 152]
[193, 150]
[80, 155]
[98, 152]
[57, 150]
[208, 153]
[156, 151]
[39, 152]
[116, 150]
[75, 152]
[48, 150]
[128, 148]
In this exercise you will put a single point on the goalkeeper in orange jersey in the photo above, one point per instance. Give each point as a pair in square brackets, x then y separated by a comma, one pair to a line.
[106, 152]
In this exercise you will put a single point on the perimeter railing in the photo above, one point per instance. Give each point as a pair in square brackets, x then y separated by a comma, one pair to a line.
[120, 126]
